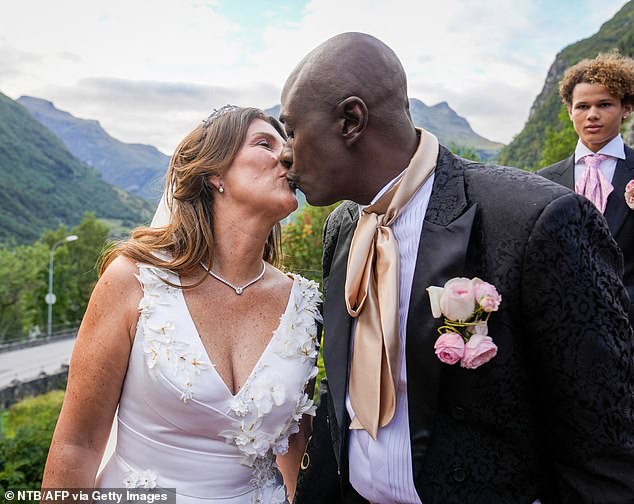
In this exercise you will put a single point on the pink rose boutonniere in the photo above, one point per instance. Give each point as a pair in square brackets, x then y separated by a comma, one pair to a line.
[466, 305]
[629, 194]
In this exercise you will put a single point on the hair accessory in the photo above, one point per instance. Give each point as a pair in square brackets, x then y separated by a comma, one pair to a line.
[218, 113]
[238, 288]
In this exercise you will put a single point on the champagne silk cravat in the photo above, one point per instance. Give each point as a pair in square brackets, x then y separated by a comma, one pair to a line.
[372, 295]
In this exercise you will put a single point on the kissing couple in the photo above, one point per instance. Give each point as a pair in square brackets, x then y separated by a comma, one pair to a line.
[476, 339]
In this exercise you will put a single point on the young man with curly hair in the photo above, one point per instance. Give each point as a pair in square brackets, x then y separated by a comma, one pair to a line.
[599, 95]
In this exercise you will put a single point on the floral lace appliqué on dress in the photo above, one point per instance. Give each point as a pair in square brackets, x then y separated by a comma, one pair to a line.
[295, 340]
[177, 417]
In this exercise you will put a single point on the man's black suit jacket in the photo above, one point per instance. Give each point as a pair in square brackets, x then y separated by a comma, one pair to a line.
[619, 216]
[552, 415]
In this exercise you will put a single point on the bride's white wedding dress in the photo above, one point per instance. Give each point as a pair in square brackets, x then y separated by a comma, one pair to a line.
[179, 426]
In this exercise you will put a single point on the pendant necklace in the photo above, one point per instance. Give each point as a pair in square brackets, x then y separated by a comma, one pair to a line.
[239, 289]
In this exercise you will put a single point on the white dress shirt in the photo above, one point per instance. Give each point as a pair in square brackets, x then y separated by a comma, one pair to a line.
[615, 149]
[381, 470]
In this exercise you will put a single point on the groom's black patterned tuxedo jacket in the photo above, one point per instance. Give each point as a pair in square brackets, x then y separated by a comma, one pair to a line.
[552, 415]
[619, 216]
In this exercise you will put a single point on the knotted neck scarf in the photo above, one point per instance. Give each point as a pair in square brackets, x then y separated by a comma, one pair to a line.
[372, 295]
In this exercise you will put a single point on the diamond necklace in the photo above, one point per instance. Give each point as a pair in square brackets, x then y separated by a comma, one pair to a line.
[238, 288]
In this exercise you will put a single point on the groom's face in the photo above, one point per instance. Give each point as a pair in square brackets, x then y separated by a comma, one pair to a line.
[313, 152]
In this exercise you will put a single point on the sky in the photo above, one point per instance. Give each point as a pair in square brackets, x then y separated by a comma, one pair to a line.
[149, 71]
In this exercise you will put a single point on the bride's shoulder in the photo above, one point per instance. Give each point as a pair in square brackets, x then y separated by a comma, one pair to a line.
[121, 271]
[293, 281]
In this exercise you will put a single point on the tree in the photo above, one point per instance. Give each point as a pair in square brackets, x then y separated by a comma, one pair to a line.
[24, 278]
[23, 271]
[25, 437]
[301, 241]
[560, 142]
[465, 152]
[75, 272]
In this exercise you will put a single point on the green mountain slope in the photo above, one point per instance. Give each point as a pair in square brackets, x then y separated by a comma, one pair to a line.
[616, 34]
[42, 185]
[136, 168]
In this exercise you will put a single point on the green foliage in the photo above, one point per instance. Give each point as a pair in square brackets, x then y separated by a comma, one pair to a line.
[301, 241]
[525, 151]
[560, 142]
[42, 185]
[465, 152]
[27, 430]
[23, 271]
[24, 279]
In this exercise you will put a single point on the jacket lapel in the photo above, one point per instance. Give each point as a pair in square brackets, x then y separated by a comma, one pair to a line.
[337, 321]
[617, 210]
[564, 174]
[442, 255]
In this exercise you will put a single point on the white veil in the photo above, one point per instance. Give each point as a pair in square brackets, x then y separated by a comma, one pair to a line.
[163, 214]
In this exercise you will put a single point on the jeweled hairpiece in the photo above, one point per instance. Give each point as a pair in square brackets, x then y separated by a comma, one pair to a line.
[218, 113]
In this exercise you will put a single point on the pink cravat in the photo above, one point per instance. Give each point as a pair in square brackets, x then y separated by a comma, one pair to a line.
[593, 184]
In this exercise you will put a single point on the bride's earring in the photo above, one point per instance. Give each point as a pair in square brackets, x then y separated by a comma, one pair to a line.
[221, 189]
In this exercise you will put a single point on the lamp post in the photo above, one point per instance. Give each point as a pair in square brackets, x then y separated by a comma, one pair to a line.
[50, 297]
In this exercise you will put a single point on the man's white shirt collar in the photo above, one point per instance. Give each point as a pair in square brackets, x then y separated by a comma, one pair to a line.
[614, 148]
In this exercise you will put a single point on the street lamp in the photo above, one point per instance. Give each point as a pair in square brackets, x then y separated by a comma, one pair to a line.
[50, 297]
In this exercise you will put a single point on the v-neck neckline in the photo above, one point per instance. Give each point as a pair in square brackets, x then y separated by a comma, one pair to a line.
[199, 340]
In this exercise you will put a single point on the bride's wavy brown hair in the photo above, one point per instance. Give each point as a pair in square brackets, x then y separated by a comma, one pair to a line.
[188, 239]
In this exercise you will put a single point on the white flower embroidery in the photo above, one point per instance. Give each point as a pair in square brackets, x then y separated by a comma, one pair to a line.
[198, 363]
[161, 346]
[147, 479]
[239, 406]
[131, 480]
[267, 391]
[186, 392]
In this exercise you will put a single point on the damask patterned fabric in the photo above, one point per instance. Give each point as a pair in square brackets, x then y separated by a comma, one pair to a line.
[179, 426]
[619, 216]
[552, 415]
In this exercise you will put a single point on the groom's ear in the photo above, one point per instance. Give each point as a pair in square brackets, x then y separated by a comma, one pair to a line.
[352, 114]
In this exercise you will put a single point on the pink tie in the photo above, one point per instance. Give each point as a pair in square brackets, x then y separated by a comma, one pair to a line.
[593, 184]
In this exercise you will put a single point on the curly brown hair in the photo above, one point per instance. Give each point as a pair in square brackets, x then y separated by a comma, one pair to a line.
[611, 70]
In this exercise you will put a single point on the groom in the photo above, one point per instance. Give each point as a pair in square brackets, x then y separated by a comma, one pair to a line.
[551, 416]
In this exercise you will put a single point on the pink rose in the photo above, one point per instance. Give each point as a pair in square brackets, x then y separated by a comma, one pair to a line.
[486, 295]
[479, 350]
[457, 301]
[629, 194]
[449, 347]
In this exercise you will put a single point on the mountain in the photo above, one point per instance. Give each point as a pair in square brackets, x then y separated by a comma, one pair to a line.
[137, 168]
[446, 124]
[42, 185]
[616, 34]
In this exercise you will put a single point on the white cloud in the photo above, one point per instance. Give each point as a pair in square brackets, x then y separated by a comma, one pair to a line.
[148, 71]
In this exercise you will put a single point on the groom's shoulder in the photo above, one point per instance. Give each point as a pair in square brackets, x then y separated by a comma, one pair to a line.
[344, 211]
[509, 185]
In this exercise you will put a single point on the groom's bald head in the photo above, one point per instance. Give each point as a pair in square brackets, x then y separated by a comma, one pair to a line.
[346, 111]
[349, 64]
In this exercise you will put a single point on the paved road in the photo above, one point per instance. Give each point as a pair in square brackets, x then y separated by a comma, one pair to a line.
[29, 362]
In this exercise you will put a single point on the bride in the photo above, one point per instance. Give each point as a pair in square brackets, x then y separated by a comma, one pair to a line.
[205, 347]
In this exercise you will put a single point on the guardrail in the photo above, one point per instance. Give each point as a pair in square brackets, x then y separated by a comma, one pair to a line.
[57, 336]
[18, 390]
